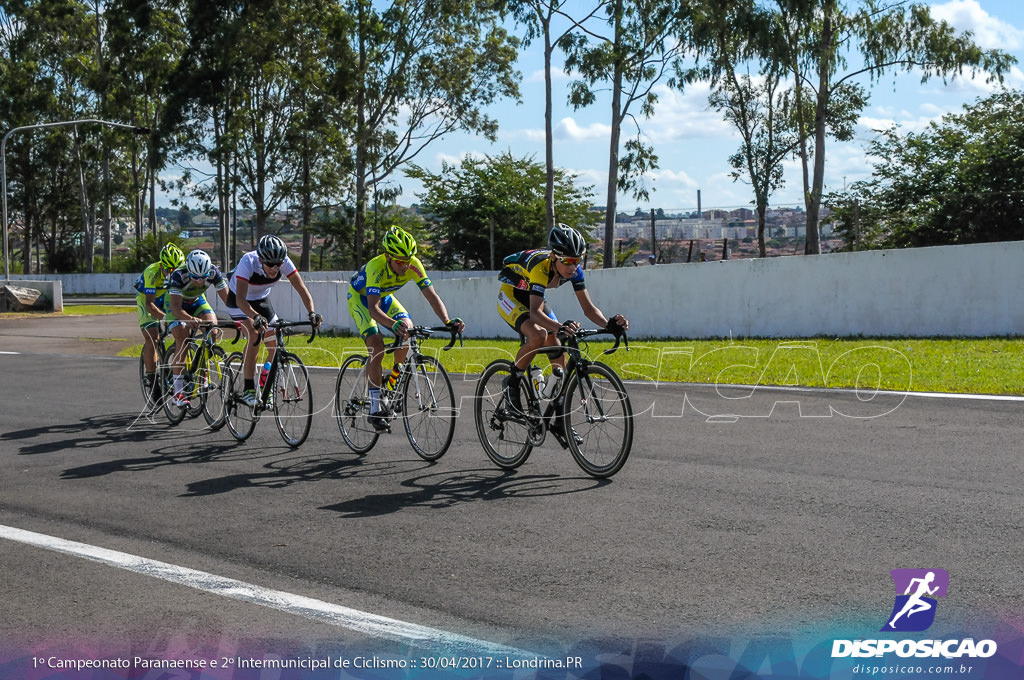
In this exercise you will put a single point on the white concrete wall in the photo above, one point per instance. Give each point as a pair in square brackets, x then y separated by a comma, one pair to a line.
[970, 290]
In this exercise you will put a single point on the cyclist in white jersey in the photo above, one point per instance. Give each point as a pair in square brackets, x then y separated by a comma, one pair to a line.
[249, 303]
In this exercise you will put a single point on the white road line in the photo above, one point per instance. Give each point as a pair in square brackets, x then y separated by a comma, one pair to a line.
[324, 612]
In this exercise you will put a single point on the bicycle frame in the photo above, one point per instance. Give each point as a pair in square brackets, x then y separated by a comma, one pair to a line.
[281, 355]
[422, 395]
[577, 365]
[414, 337]
[589, 414]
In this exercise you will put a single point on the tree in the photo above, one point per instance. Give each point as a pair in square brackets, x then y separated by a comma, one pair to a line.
[827, 48]
[539, 17]
[761, 112]
[959, 181]
[484, 209]
[642, 42]
[424, 69]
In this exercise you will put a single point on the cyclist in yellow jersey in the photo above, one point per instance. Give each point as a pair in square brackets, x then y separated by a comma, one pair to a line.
[370, 302]
[152, 287]
[525, 278]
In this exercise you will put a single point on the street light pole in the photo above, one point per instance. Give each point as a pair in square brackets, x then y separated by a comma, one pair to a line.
[3, 164]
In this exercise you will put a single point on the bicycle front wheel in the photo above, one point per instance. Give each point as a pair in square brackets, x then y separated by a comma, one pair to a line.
[215, 388]
[504, 435]
[293, 400]
[240, 418]
[598, 420]
[429, 408]
[352, 405]
[175, 414]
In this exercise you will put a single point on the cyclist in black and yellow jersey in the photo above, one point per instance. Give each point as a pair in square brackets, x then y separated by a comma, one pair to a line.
[525, 278]
[371, 302]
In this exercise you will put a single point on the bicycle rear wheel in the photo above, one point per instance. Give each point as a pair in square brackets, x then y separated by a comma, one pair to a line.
[505, 437]
[429, 408]
[240, 418]
[352, 405]
[598, 420]
[216, 388]
[293, 400]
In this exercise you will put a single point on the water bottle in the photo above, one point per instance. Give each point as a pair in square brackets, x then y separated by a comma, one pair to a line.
[537, 376]
[263, 373]
[556, 379]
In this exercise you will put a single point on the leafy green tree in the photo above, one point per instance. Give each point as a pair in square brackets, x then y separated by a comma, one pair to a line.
[484, 209]
[539, 17]
[828, 48]
[959, 181]
[642, 41]
[424, 69]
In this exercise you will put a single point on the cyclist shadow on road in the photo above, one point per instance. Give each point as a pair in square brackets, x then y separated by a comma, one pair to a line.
[446, 489]
[200, 451]
[281, 473]
[87, 433]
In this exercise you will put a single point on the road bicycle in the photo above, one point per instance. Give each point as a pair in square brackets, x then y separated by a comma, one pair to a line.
[203, 374]
[422, 397]
[152, 393]
[286, 391]
[587, 411]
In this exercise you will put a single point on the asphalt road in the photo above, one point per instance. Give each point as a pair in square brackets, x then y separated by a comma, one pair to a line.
[788, 518]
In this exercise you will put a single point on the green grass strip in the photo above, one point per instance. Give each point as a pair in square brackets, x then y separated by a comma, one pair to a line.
[970, 366]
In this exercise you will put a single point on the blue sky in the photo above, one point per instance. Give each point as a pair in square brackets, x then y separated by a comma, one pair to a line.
[694, 143]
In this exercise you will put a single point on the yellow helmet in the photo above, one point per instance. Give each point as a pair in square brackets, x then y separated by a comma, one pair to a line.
[399, 243]
[171, 257]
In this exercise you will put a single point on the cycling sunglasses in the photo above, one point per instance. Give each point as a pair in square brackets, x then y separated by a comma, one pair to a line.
[272, 263]
[570, 260]
[398, 260]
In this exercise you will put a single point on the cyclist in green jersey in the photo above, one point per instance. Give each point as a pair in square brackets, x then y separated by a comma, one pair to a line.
[187, 306]
[152, 288]
[370, 302]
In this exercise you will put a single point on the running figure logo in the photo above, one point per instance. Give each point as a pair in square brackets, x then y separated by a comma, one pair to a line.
[915, 605]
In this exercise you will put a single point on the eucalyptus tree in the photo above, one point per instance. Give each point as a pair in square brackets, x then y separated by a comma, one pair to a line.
[641, 43]
[549, 21]
[759, 106]
[322, 66]
[143, 39]
[830, 48]
[49, 61]
[202, 97]
[424, 69]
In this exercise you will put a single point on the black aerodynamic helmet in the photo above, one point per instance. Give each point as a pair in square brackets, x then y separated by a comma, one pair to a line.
[565, 241]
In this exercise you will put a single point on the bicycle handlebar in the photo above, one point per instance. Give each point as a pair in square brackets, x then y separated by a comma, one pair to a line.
[209, 326]
[424, 332]
[282, 326]
[582, 334]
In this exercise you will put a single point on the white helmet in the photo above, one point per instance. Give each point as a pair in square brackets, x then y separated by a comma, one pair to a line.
[199, 264]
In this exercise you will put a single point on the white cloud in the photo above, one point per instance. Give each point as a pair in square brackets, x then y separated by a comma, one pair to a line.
[568, 130]
[989, 32]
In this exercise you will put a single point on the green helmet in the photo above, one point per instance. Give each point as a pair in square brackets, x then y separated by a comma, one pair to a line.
[399, 243]
[171, 257]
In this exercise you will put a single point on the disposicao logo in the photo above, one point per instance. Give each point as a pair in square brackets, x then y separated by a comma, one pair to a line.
[913, 611]
[916, 590]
